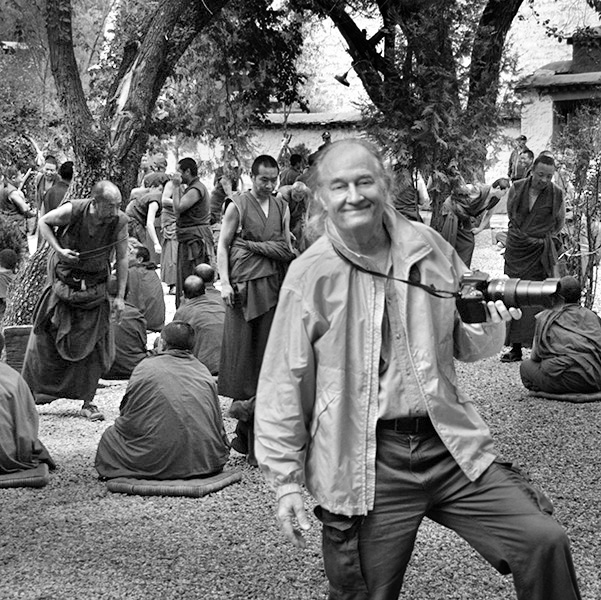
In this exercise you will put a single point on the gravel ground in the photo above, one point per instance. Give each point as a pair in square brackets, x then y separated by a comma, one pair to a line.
[74, 540]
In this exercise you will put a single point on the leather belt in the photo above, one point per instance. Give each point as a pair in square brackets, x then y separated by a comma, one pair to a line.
[413, 425]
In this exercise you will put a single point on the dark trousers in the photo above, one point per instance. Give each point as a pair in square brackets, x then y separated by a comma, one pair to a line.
[501, 515]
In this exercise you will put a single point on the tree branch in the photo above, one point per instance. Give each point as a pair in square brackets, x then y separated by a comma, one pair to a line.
[487, 50]
[172, 28]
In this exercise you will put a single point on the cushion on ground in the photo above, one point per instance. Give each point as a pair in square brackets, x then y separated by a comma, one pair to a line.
[194, 488]
[568, 397]
[36, 477]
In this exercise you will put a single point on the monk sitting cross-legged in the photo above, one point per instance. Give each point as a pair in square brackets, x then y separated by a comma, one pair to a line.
[170, 424]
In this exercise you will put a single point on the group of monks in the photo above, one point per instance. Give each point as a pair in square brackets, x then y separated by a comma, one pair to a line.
[104, 295]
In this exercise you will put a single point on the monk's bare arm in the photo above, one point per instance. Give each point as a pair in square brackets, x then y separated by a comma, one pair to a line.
[229, 226]
[153, 208]
[59, 217]
[121, 264]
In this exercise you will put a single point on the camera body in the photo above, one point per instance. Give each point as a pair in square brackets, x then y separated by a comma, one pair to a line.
[476, 289]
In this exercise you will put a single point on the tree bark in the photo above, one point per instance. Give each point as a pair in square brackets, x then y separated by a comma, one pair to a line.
[487, 51]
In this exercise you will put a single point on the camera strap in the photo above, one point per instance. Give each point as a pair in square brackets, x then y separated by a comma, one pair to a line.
[429, 289]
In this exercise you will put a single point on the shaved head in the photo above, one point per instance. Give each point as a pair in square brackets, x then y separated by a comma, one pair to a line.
[205, 272]
[194, 286]
[178, 335]
[106, 191]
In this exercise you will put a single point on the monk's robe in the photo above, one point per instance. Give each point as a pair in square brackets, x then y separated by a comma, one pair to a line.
[194, 236]
[206, 315]
[20, 448]
[532, 246]
[170, 424]
[145, 291]
[567, 352]
[459, 216]
[130, 343]
[72, 343]
[258, 259]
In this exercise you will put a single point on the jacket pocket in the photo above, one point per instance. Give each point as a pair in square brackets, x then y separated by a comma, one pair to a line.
[342, 562]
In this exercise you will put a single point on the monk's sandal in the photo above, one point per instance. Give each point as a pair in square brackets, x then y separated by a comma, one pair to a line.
[90, 411]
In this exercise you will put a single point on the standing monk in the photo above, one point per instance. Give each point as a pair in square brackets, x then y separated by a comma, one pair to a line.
[72, 343]
[252, 256]
[193, 223]
[536, 213]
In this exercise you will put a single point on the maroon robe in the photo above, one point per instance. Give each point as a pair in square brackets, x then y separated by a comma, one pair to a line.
[170, 424]
[20, 448]
[532, 246]
[567, 352]
[70, 346]
[258, 258]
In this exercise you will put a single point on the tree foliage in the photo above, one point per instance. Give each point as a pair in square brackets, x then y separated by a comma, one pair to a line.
[232, 74]
[431, 73]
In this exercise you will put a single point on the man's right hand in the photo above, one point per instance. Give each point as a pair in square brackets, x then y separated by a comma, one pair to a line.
[227, 294]
[291, 507]
[68, 256]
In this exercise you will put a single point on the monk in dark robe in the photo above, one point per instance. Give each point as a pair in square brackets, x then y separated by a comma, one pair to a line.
[144, 288]
[71, 343]
[536, 213]
[566, 353]
[20, 448]
[193, 223]
[130, 343]
[463, 210]
[206, 315]
[253, 254]
[170, 424]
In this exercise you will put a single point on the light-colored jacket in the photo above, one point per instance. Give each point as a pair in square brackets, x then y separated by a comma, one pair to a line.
[317, 400]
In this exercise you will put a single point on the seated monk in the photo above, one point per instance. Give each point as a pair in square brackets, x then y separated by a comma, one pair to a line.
[130, 340]
[20, 448]
[566, 353]
[206, 315]
[170, 424]
[144, 288]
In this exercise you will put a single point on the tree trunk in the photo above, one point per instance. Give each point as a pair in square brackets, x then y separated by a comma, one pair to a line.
[109, 147]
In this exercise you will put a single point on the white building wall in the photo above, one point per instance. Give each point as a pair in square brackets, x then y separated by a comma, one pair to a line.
[537, 120]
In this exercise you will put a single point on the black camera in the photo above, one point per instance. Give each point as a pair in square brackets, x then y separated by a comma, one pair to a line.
[475, 289]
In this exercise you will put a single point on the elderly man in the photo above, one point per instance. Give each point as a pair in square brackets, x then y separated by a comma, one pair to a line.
[20, 448]
[566, 353]
[193, 222]
[536, 213]
[170, 424]
[71, 343]
[253, 254]
[206, 315]
[358, 400]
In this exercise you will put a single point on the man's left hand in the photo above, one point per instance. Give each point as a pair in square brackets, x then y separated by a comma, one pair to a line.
[498, 312]
[117, 309]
